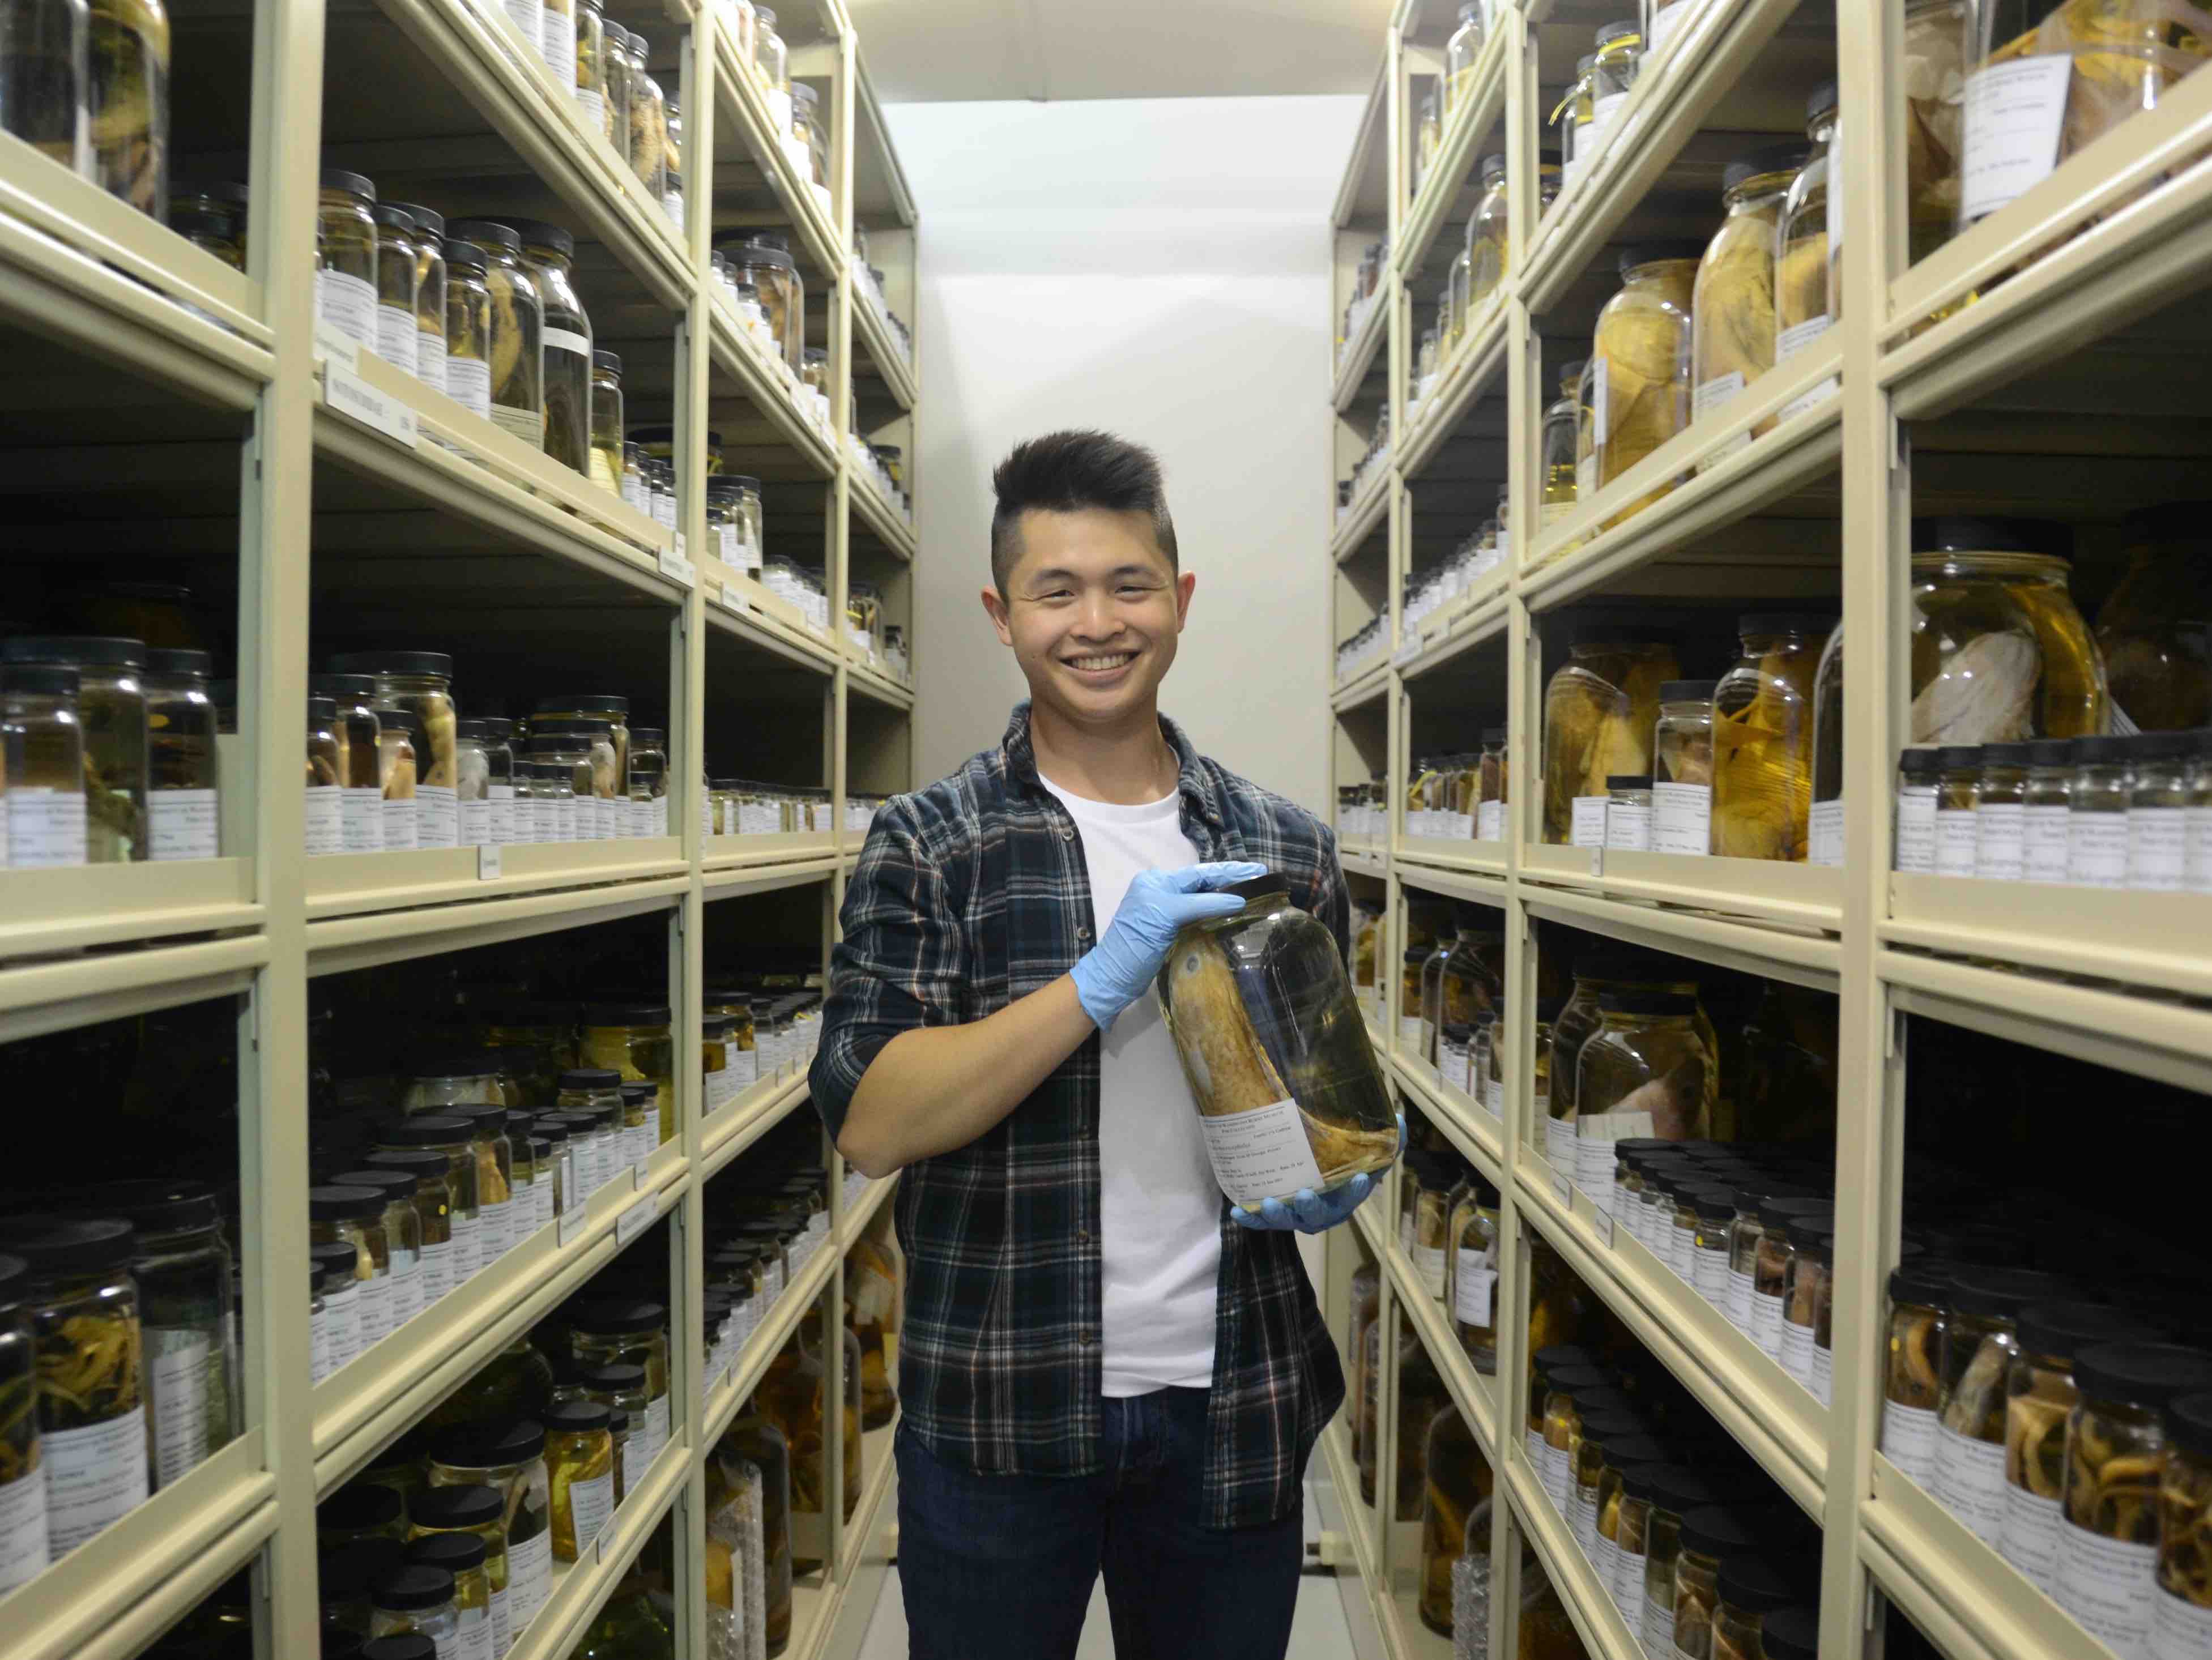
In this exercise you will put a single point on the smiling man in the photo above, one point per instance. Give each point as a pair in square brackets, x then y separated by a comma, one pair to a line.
[1104, 1366]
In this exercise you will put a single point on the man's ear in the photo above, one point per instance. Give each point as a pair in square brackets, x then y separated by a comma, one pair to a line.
[995, 608]
[1185, 585]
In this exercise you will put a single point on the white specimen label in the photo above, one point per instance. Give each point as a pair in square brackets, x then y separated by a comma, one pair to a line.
[363, 820]
[560, 49]
[1797, 1351]
[46, 829]
[348, 304]
[1490, 821]
[1630, 1596]
[430, 359]
[2000, 840]
[403, 824]
[94, 1475]
[326, 819]
[438, 816]
[1916, 830]
[590, 1504]
[2029, 1536]
[407, 1280]
[593, 104]
[23, 1529]
[344, 1310]
[1429, 1269]
[395, 338]
[2179, 1630]
[2012, 115]
[1766, 1322]
[1472, 1288]
[180, 824]
[1594, 1153]
[468, 383]
[1954, 841]
[1824, 1375]
[635, 1456]
[1709, 1276]
[1681, 818]
[528, 425]
[474, 823]
[2109, 1585]
[1558, 1480]
[2096, 849]
[438, 1260]
[1664, 24]
[1493, 1096]
[1908, 1441]
[2197, 864]
[468, 1248]
[528, 17]
[1707, 400]
[1559, 1144]
[1261, 1154]
[1588, 827]
[744, 1070]
[1628, 827]
[177, 1385]
[721, 1086]
[1658, 1627]
[497, 1222]
[2158, 848]
[1970, 1481]
[1787, 344]
[1825, 834]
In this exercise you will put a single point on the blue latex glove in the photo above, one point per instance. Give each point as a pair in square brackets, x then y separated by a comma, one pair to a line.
[1121, 966]
[1309, 1212]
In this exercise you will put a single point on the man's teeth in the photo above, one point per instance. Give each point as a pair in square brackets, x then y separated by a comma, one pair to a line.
[1114, 660]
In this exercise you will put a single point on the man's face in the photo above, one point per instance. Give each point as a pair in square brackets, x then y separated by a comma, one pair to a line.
[1092, 611]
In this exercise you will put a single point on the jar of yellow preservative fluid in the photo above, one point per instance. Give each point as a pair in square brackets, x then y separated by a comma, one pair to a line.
[1287, 1089]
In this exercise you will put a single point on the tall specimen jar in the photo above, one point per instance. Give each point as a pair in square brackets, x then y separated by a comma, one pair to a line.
[772, 272]
[2152, 631]
[194, 1406]
[612, 712]
[2115, 1458]
[1979, 1344]
[182, 799]
[22, 1471]
[754, 1442]
[607, 421]
[1647, 1071]
[45, 82]
[1763, 738]
[420, 683]
[1807, 300]
[80, 1301]
[1639, 365]
[580, 1467]
[1487, 248]
[648, 787]
[517, 330]
[618, 1331]
[2181, 1618]
[130, 103]
[614, 113]
[467, 354]
[1599, 712]
[345, 256]
[647, 147]
[397, 279]
[110, 707]
[557, 42]
[549, 254]
[2043, 80]
[1682, 769]
[1562, 437]
[1455, 1498]
[1473, 1242]
[429, 294]
[1461, 51]
[1999, 650]
[591, 82]
[1265, 1022]
[1732, 303]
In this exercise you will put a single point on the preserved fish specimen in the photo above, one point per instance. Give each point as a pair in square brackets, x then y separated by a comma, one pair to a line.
[1455, 1502]
[129, 100]
[2185, 1533]
[1999, 653]
[1599, 712]
[1640, 368]
[566, 334]
[1807, 298]
[1763, 738]
[1732, 304]
[1935, 78]
[580, 1465]
[518, 330]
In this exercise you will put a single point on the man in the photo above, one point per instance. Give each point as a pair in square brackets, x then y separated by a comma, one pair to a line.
[1103, 1363]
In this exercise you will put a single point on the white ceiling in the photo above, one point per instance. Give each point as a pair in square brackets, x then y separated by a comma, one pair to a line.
[941, 50]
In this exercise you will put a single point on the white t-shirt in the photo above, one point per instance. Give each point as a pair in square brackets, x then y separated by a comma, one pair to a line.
[1160, 1207]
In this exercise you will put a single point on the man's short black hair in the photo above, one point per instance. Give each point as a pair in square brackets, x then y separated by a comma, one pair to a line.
[1065, 471]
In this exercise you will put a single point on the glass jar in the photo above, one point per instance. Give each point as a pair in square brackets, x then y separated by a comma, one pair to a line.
[417, 1601]
[1682, 768]
[2107, 1575]
[468, 329]
[1807, 299]
[498, 1217]
[1648, 1046]
[452, 1139]
[46, 86]
[397, 282]
[2157, 806]
[581, 754]
[591, 77]
[770, 268]
[1999, 651]
[580, 1462]
[324, 809]
[355, 1216]
[429, 240]
[549, 252]
[1600, 709]
[112, 717]
[430, 1194]
[399, 743]
[647, 147]
[195, 1404]
[2097, 806]
[466, 1077]
[1597, 1426]
[1714, 1209]
[2068, 74]
[606, 417]
[621, 1390]
[517, 347]
[1980, 1345]
[2181, 1618]
[1263, 1018]
[1614, 69]
[1781, 1222]
[420, 683]
[1748, 1591]
[1732, 302]
[22, 1476]
[334, 1314]
[1562, 433]
[345, 256]
[754, 1449]
[44, 765]
[1456, 1499]
[403, 1234]
[614, 113]
[1762, 729]
[619, 1332]
[633, 1038]
[468, 1559]
[1805, 1299]
[1431, 1226]
[1639, 384]
[1934, 42]
[640, 1120]
[1563, 1430]
[612, 715]
[1709, 1536]
[806, 128]
[1578, 143]
[871, 1316]
[1628, 811]
[2152, 630]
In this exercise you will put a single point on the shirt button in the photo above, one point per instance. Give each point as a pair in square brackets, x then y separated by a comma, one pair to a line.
[1086, 1337]
[1082, 1236]
[1068, 832]
[1082, 933]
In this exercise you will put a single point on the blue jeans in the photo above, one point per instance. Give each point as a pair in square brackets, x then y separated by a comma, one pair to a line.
[1000, 1567]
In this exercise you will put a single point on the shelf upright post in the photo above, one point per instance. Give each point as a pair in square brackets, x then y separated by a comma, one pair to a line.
[1876, 501]
[276, 509]
[844, 109]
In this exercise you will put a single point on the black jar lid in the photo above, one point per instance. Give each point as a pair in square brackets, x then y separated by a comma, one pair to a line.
[344, 1572]
[1647, 1002]
[536, 233]
[462, 255]
[616, 1317]
[555, 1130]
[1687, 691]
[424, 1130]
[1752, 1584]
[2146, 1375]
[2002, 1293]
[1493, 166]
[488, 1446]
[393, 1184]
[617, 1379]
[575, 1417]
[1716, 1530]
[1561, 1354]
[413, 1587]
[76, 650]
[50, 679]
[1925, 1281]
[1775, 1212]
[646, 738]
[626, 1014]
[595, 703]
[363, 1505]
[353, 183]
[2188, 1423]
[1923, 761]
[424, 1164]
[486, 233]
[1957, 757]
[1627, 1452]
[343, 1204]
[1786, 622]
[1713, 1204]
[1791, 1633]
[60, 1247]
[1767, 158]
[757, 252]
[488, 729]
[320, 709]
[1628, 781]
[340, 1258]
[644, 1089]
[609, 360]
[156, 1205]
[425, 219]
[342, 685]
[1565, 1380]
[439, 664]
[390, 215]
[179, 659]
[465, 1506]
[2061, 1330]
[456, 1553]
[1957, 533]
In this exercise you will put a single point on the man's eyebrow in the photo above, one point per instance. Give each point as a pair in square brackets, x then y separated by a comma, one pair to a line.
[1058, 574]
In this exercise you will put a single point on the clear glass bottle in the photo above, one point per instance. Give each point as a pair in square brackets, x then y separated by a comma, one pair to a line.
[467, 353]
[1614, 69]
[1782, 1223]
[607, 419]
[2000, 652]
[549, 254]
[516, 331]
[2181, 1618]
[772, 272]
[1455, 1501]
[182, 797]
[112, 716]
[1732, 302]
[633, 1039]
[2157, 658]
[2157, 810]
[611, 712]
[45, 768]
[614, 113]
[1562, 445]
[1600, 710]
[397, 280]
[345, 256]
[1648, 1046]
[1461, 52]
[1250, 999]
[195, 1404]
[1577, 144]
[1912, 1376]
[1628, 811]
[355, 1216]
[466, 1557]
[1805, 1299]
[619, 1331]
[2097, 804]
[753, 1444]
[45, 82]
[450, 1264]
[1682, 768]
[1935, 60]
[1980, 1342]
[2000, 813]
[591, 50]
[429, 240]
[580, 1461]
[648, 121]
[420, 683]
[1762, 734]
[417, 1601]
[1638, 367]
[1807, 300]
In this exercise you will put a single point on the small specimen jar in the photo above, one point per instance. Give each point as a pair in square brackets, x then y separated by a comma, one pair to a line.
[485, 806]
[511, 1461]
[1709, 1536]
[2045, 796]
[450, 1137]
[616, 1332]
[45, 87]
[590, 78]
[1628, 811]
[182, 1268]
[580, 1463]
[648, 781]
[431, 1197]
[420, 683]
[111, 710]
[182, 799]
[607, 419]
[43, 826]
[355, 1216]
[1682, 769]
[22, 1477]
[1748, 1591]
[1778, 1219]
[2001, 813]
[465, 1557]
[402, 1233]
[494, 1157]
[1806, 301]
[1919, 772]
[429, 240]
[345, 257]
[335, 1338]
[325, 813]
[398, 279]
[2097, 806]
[633, 1039]
[2181, 1617]
[1980, 1345]
[2158, 811]
[1731, 305]
[648, 121]
[468, 326]
[417, 1601]
[1958, 770]
[640, 1120]
[1805, 1303]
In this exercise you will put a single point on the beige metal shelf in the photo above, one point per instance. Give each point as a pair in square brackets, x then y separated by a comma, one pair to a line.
[58, 994]
[48, 912]
[731, 882]
[1587, 1601]
[738, 99]
[1462, 870]
[874, 340]
[782, 846]
[876, 516]
[1360, 354]
[359, 884]
[1474, 372]
[1364, 516]
[767, 390]
[1366, 687]
[1445, 188]
[580, 1588]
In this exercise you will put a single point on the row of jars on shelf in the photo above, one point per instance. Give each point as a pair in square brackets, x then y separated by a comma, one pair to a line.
[1460, 797]
[1442, 101]
[883, 466]
[874, 290]
[1442, 587]
[793, 107]
[1477, 271]
[739, 807]
[1366, 279]
[1367, 647]
[1373, 459]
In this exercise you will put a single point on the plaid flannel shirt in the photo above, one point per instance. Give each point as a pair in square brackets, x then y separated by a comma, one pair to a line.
[968, 895]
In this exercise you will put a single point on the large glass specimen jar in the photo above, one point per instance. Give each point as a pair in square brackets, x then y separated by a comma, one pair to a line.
[130, 100]
[549, 254]
[1732, 303]
[1763, 738]
[1647, 1071]
[1562, 429]
[1806, 301]
[1999, 651]
[1455, 1501]
[111, 707]
[2155, 631]
[1265, 1021]
[1934, 76]
[1639, 364]
[1599, 712]
[518, 330]
[44, 81]
[754, 1440]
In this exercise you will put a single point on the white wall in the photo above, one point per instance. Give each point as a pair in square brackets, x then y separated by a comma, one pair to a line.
[1160, 268]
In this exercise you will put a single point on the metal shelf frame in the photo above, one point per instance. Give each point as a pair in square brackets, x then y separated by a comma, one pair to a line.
[97, 281]
[2122, 227]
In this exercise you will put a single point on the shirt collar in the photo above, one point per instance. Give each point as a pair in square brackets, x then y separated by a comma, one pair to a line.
[1194, 781]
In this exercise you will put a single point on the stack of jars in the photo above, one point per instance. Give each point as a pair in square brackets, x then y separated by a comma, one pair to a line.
[91, 91]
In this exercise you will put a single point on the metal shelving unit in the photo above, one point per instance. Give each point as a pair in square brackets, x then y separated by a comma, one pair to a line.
[2074, 289]
[192, 403]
